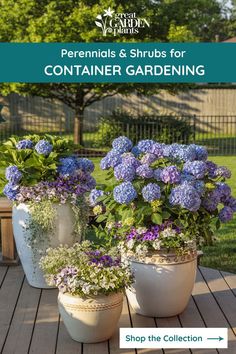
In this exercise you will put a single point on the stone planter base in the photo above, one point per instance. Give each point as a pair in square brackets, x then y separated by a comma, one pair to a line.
[163, 284]
[63, 234]
[90, 320]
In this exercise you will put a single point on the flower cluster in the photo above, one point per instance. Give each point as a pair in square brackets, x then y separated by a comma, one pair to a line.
[94, 195]
[45, 176]
[170, 174]
[24, 144]
[157, 182]
[43, 147]
[81, 270]
[63, 189]
[151, 192]
[164, 236]
[125, 193]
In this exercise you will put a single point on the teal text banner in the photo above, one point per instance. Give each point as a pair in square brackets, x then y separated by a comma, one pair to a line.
[118, 62]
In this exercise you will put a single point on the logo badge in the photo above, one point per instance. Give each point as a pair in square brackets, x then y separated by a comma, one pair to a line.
[120, 23]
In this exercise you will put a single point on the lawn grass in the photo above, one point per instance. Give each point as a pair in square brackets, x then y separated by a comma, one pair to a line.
[223, 254]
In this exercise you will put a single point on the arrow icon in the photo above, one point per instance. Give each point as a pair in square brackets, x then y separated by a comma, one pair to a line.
[218, 338]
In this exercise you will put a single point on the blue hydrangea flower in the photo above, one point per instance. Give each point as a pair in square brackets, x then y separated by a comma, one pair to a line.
[211, 200]
[226, 214]
[211, 169]
[90, 182]
[170, 174]
[231, 202]
[151, 192]
[148, 158]
[94, 195]
[186, 153]
[85, 165]
[145, 145]
[158, 149]
[199, 186]
[43, 147]
[173, 151]
[10, 190]
[124, 172]
[68, 165]
[197, 168]
[186, 196]
[122, 144]
[24, 144]
[222, 171]
[157, 174]
[187, 177]
[144, 171]
[125, 193]
[224, 190]
[13, 175]
[166, 150]
[112, 159]
[130, 159]
[135, 151]
[175, 196]
[201, 152]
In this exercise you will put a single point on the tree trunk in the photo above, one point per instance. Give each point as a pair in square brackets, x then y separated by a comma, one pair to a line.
[79, 117]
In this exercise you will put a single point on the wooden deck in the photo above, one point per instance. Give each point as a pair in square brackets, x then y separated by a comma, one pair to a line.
[30, 323]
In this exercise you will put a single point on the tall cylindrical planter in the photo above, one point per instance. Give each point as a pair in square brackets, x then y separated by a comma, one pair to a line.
[62, 234]
[90, 320]
[163, 284]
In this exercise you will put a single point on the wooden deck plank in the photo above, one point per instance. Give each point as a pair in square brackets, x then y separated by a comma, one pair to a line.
[213, 305]
[171, 322]
[64, 342]
[222, 294]
[123, 322]
[211, 313]
[230, 280]
[143, 322]
[3, 271]
[98, 348]
[192, 318]
[46, 325]
[19, 336]
[8, 297]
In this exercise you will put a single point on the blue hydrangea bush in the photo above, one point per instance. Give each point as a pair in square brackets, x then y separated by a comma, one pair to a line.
[39, 168]
[167, 196]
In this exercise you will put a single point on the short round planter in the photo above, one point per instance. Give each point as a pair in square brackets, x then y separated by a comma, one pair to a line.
[163, 283]
[90, 320]
[63, 234]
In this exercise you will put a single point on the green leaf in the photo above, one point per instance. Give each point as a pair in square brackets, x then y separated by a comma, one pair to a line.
[166, 215]
[101, 218]
[157, 218]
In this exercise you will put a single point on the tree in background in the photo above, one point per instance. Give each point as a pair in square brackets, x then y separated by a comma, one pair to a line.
[232, 19]
[73, 21]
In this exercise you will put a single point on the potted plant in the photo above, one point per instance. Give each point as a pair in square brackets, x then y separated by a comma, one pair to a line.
[47, 185]
[165, 202]
[91, 283]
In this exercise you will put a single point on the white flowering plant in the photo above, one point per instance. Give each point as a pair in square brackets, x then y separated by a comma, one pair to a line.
[85, 270]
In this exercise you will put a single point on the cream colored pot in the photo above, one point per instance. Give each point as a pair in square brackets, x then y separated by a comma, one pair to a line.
[90, 320]
[163, 284]
[30, 256]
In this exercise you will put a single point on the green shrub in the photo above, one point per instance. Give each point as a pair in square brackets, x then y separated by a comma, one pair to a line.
[106, 133]
[163, 128]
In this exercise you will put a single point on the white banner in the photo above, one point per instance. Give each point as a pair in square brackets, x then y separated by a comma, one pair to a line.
[173, 338]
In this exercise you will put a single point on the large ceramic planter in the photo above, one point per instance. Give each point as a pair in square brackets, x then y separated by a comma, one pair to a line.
[63, 234]
[163, 284]
[90, 320]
